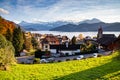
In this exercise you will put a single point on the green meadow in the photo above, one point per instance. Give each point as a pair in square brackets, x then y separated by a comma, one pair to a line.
[101, 68]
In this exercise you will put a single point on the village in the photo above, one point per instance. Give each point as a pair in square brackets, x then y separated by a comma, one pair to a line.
[57, 48]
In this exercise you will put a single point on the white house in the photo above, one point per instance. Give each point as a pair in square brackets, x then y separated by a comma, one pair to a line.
[65, 49]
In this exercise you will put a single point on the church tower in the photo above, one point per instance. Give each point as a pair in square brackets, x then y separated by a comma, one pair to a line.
[100, 32]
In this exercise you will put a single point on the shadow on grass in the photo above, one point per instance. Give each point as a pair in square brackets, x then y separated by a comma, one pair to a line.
[96, 72]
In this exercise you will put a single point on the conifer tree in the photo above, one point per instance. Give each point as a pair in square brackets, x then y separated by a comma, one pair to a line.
[18, 40]
[73, 41]
[34, 43]
[9, 35]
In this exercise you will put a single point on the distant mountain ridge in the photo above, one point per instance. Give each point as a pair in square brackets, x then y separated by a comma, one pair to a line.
[69, 26]
[42, 25]
[88, 27]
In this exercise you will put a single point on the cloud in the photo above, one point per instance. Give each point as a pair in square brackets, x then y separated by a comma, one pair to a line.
[75, 10]
[53, 10]
[3, 11]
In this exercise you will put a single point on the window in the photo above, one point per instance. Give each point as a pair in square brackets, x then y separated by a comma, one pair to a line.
[46, 46]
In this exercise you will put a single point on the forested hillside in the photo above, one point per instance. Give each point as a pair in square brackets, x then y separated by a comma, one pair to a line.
[6, 25]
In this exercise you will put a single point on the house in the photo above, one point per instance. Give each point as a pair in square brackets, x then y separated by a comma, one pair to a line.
[65, 39]
[65, 49]
[116, 44]
[23, 53]
[47, 41]
[37, 36]
[88, 38]
[105, 41]
[80, 42]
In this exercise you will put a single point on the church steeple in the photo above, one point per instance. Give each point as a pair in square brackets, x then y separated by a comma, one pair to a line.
[100, 32]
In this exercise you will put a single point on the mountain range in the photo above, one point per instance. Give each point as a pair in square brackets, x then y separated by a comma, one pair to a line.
[69, 26]
[41, 25]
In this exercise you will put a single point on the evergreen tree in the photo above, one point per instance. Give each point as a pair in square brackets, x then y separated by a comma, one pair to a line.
[34, 43]
[9, 35]
[18, 40]
[73, 41]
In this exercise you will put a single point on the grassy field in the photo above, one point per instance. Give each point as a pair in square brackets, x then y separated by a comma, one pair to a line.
[102, 68]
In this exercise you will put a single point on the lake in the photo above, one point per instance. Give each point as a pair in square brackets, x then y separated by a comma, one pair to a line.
[71, 34]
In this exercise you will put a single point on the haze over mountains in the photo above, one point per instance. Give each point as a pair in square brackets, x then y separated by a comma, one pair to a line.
[69, 26]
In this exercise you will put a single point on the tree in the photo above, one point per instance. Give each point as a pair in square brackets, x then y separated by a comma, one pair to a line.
[88, 47]
[73, 41]
[18, 40]
[83, 48]
[34, 43]
[38, 53]
[27, 42]
[6, 53]
[9, 35]
[81, 36]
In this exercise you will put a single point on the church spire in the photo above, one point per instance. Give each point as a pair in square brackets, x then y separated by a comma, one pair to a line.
[100, 32]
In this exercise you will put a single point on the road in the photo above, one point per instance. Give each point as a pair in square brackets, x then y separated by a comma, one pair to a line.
[29, 59]
[85, 56]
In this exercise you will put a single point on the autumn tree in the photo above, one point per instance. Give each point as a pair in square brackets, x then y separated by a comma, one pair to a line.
[27, 42]
[80, 36]
[88, 47]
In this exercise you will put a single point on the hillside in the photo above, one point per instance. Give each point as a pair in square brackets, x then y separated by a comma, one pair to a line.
[88, 27]
[5, 25]
[106, 67]
[113, 27]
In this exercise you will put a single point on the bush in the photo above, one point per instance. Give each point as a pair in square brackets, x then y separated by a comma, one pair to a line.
[59, 61]
[99, 55]
[6, 53]
[38, 53]
[36, 60]
[51, 62]
[77, 53]
[67, 59]
[22, 63]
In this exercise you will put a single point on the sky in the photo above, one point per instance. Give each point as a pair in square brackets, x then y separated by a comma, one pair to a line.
[60, 10]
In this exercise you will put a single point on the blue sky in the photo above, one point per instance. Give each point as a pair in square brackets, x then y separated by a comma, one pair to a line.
[54, 10]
